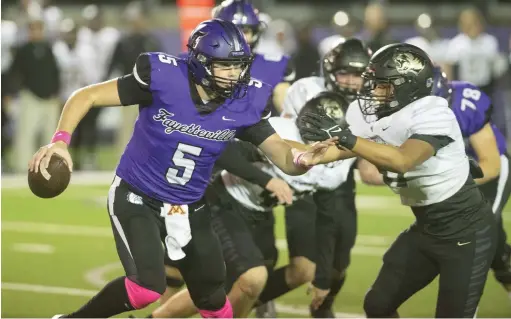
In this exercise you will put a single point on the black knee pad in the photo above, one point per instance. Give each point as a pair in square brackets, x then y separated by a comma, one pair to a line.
[376, 305]
[213, 301]
[174, 282]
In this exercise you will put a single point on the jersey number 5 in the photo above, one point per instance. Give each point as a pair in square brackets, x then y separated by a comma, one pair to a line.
[471, 94]
[184, 166]
[167, 59]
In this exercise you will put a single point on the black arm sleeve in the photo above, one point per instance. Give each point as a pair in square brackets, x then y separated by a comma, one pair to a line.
[237, 159]
[259, 132]
[134, 88]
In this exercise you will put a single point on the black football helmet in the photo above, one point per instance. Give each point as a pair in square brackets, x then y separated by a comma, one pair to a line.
[331, 104]
[348, 57]
[397, 75]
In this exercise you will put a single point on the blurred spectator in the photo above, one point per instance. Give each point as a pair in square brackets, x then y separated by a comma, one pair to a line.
[52, 16]
[473, 54]
[35, 73]
[77, 61]
[376, 33]
[9, 32]
[101, 38]
[429, 39]
[306, 57]
[345, 27]
[138, 40]
[45, 10]
[277, 39]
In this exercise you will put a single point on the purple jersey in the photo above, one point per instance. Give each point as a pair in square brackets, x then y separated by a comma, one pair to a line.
[272, 69]
[171, 154]
[473, 110]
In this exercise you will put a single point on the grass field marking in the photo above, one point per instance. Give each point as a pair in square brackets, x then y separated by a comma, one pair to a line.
[56, 229]
[379, 204]
[48, 289]
[33, 248]
[289, 309]
[368, 245]
[96, 276]
[17, 181]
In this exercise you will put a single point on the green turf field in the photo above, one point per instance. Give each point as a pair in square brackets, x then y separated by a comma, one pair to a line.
[57, 253]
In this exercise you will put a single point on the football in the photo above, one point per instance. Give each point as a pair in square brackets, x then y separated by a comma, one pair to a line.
[54, 183]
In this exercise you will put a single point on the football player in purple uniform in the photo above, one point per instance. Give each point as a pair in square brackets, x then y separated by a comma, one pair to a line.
[189, 110]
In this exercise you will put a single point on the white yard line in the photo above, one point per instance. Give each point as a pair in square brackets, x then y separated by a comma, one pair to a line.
[15, 181]
[33, 248]
[48, 289]
[289, 309]
[372, 204]
[367, 245]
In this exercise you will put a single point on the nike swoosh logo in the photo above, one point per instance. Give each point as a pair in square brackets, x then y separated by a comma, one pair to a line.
[384, 129]
[226, 119]
[463, 244]
[199, 208]
[336, 130]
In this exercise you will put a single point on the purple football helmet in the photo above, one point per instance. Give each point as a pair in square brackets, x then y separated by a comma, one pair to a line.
[219, 41]
[243, 14]
[441, 86]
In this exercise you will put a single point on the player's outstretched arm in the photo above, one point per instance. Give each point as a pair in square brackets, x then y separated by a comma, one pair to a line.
[332, 153]
[292, 160]
[485, 147]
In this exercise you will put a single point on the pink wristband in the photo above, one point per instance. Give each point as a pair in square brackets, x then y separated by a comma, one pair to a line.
[61, 136]
[296, 161]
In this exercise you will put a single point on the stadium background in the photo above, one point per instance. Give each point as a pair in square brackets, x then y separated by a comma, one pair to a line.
[56, 253]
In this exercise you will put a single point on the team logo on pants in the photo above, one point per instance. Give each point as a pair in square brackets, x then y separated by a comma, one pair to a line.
[175, 209]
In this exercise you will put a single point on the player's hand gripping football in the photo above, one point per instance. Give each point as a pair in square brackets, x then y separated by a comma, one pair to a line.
[315, 127]
[41, 158]
[318, 296]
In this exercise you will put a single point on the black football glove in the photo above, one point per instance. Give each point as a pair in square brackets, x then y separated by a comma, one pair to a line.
[314, 127]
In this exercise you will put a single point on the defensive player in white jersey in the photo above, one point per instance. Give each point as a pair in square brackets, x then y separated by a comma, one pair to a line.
[238, 205]
[415, 140]
[312, 250]
[341, 70]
